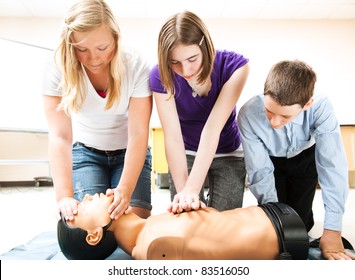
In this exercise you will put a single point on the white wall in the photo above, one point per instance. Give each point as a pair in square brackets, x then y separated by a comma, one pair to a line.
[327, 45]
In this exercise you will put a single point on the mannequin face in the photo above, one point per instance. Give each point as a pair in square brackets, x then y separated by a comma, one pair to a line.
[92, 212]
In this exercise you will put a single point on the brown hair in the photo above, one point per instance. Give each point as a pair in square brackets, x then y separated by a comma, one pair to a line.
[188, 29]
[290, 83]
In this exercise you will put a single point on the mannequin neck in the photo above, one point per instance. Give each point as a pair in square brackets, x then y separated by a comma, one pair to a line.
[126, 230]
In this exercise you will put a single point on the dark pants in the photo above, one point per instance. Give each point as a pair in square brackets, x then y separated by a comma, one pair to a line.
[296, 180]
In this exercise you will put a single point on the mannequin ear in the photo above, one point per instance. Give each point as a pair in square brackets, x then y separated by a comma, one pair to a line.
[95, 236]
[308, 104]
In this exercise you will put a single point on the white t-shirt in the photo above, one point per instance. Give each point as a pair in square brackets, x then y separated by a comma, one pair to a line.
[93, 125]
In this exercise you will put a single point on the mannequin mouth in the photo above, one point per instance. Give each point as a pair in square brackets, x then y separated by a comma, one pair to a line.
[110, 198]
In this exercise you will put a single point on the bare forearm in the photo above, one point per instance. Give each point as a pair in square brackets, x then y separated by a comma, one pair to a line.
[205, 154]
[176, 158]
[60, 157]
[134, 160]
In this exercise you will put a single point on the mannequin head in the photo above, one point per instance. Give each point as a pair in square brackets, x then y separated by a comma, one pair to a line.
[87, 236]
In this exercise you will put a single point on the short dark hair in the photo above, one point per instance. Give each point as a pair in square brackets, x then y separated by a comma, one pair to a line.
[72, 242]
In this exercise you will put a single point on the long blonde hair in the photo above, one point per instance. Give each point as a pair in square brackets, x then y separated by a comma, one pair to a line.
[83, 16]
[188, 29]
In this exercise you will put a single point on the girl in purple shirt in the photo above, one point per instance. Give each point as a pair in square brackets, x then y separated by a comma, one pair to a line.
[196, 89]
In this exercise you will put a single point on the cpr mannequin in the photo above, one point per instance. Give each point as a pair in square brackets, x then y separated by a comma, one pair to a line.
[242, 233]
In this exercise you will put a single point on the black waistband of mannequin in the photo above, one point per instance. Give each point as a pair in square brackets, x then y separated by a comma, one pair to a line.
[290, 229]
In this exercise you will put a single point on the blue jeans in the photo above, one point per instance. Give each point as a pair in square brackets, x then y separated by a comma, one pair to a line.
[95, 172]
[225, 181]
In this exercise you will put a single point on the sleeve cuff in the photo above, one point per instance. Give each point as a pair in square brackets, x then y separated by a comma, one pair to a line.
[333, 221]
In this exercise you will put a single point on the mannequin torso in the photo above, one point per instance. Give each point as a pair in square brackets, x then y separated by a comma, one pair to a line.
[202, 234]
